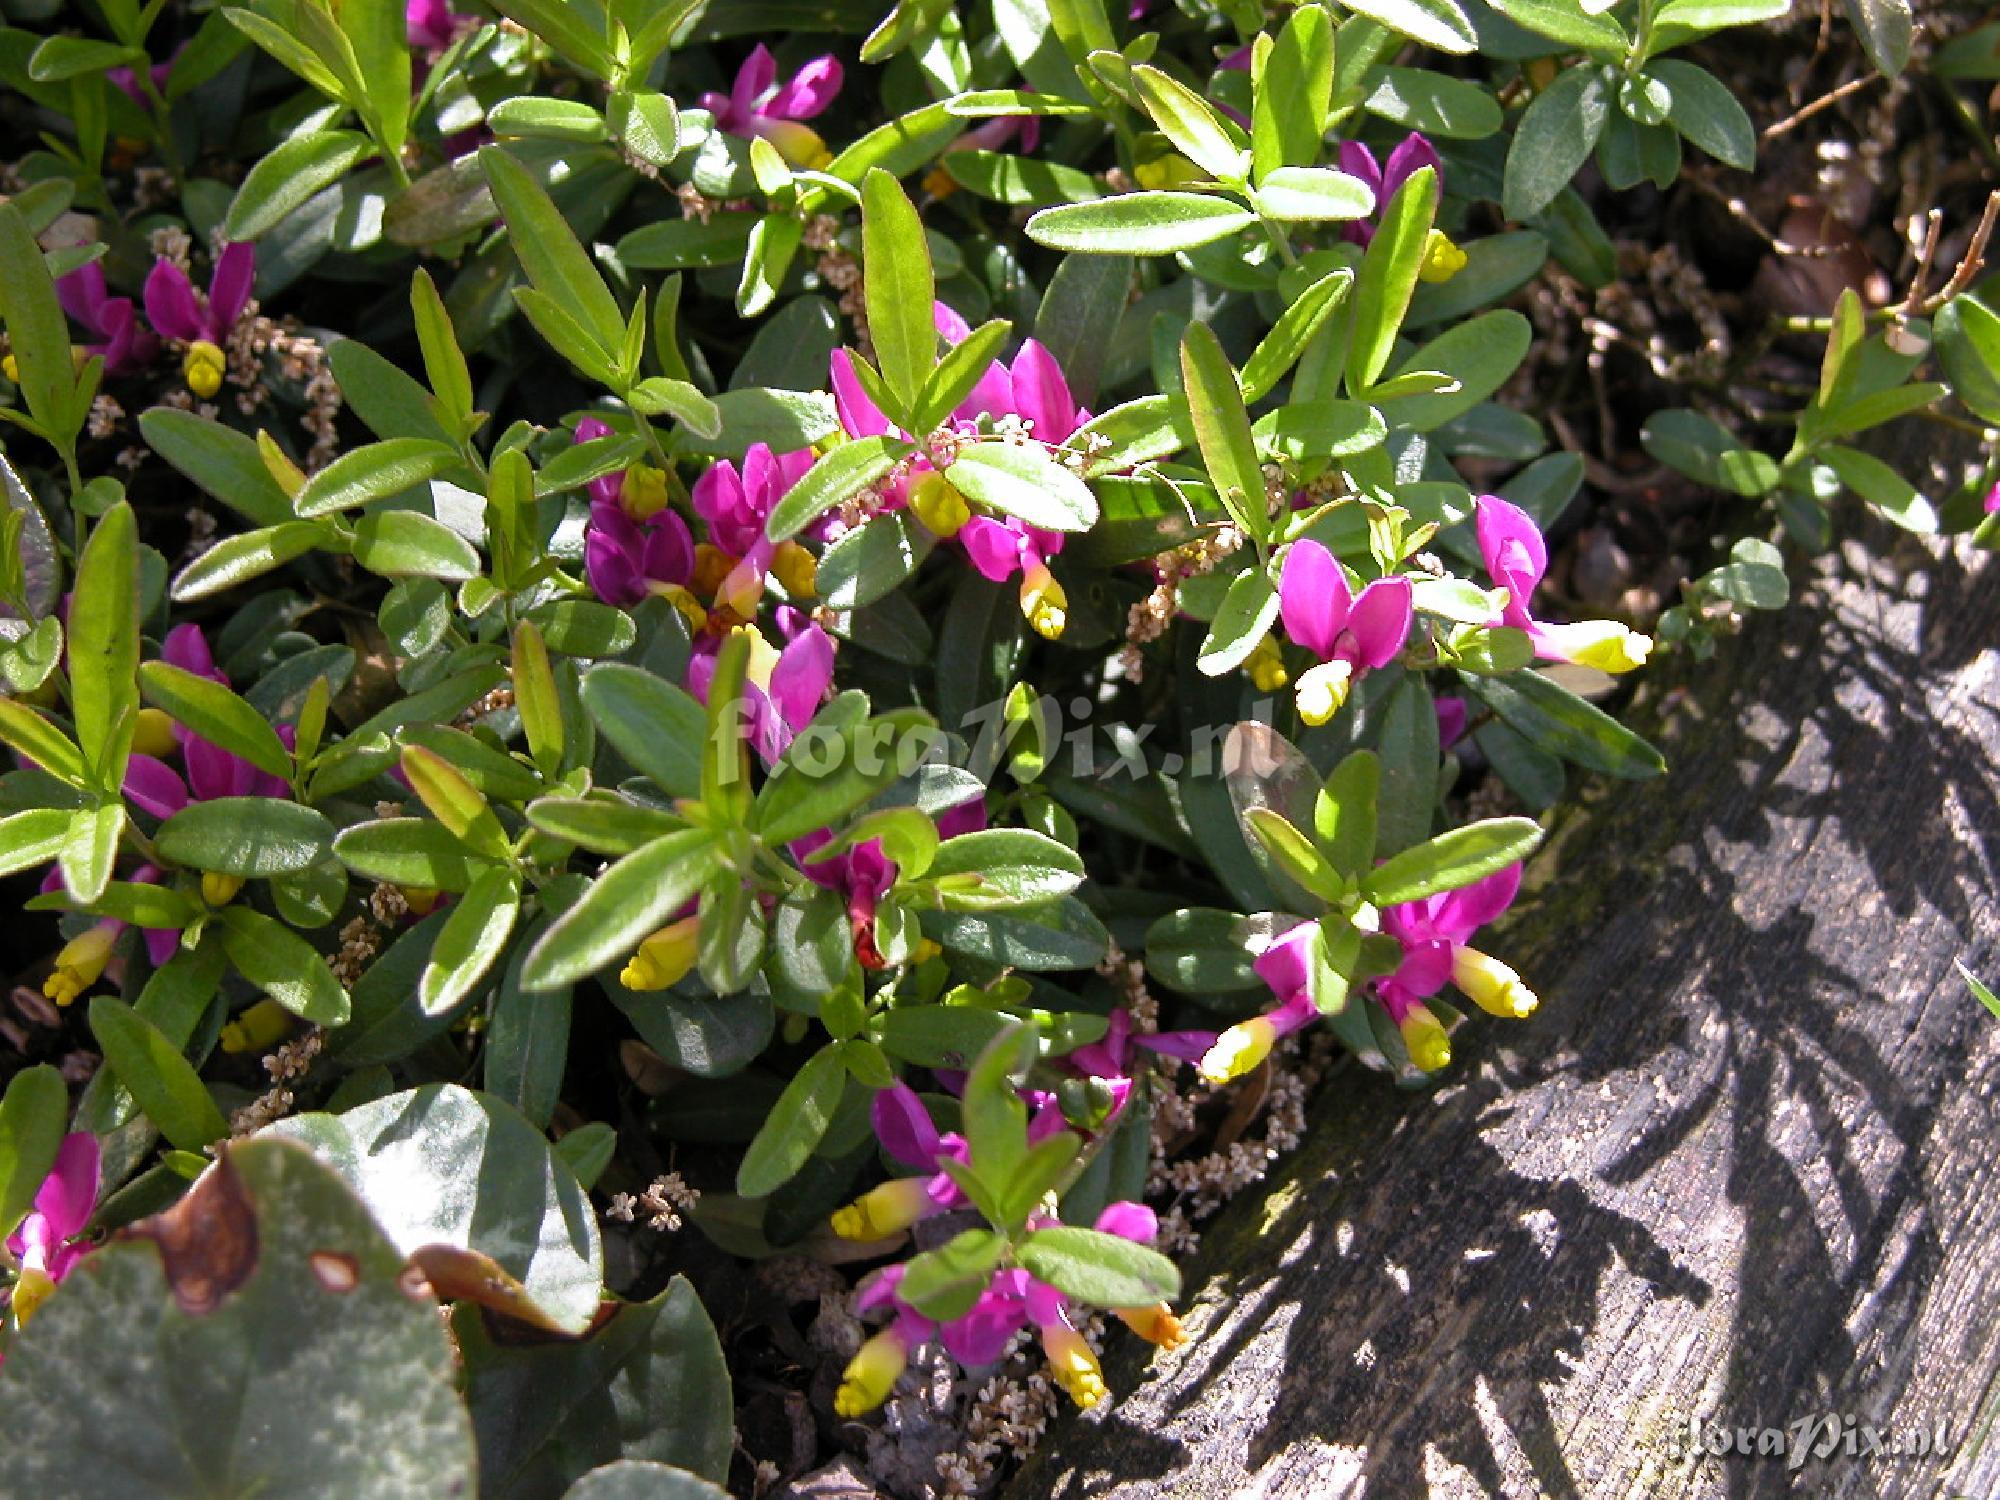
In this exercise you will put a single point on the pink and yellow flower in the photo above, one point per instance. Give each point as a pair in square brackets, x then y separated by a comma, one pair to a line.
[1350, 633]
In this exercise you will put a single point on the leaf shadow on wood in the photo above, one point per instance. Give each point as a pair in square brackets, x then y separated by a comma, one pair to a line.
[1710, 1178]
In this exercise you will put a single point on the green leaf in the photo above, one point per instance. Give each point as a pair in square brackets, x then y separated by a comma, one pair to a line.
[948, 1036]
[1566, 21]
[1435, 23]
[1980, 991]
[454, 801]
[840, 475]
[91, 849]
[1288, 117]
[282, 182]
[247, 555]
[268, 1291]
[37, 331]
[1707, 113]
[408, 544]
[104, 643]
[221, 460]
[1705, 450]
[574, 29]
[1433, 104]
[1281, 348]
[551, 119]
[29, 838]
[1022, 480]
[862, 565]
[945, 1283]
[1294, 854]
[1024, 181]
[60, 58]
[1344, 814]
[1681, 21]
[797, 1124]
[41, 741]
[899, 286]
[1191, 123]
[285, 966]
[254, 837]
[1148, 223]
[647, 1383]
[1100, 1269]
[1408, 745]
[527, 1044]
[1554, 139]
[548, 250]
[445, 1169]
[658, 727]
[630, 901]
[999, 867]
[372, 472]
[1882, 487]
[33, 1116]
[1245, 617]
[1222, 427]
[1481, 354]
[152, 1068]
[1549, 715]
[606, 824]
[1968, 346]
[1388, 278]
[217, 715]
[832, 768]
[474, 936]
[413, 852]
[1451, 860]
[1312, 195]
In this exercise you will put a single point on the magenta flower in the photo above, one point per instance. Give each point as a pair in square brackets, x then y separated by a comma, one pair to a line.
[1993, 500]
[736, 504]
[178, 311]
[432, 25]
[44, 1243]
[126, 80]
[126, 346]
[1112, 1059]
[1436, 934]
[1013, 1300]
[784, 687]
[633, 544]
[1516, 558]
[211, 771]
[758, 105]
[204, 325]
[1286, 966]
[1452, 716]
[1350, 634]
[1027, 401]
[1356, 160]
[864, 874]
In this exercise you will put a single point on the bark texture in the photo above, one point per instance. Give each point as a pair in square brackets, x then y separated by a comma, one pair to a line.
[1741, 1165]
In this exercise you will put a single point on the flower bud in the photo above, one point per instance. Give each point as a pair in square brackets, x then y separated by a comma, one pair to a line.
[34, 1287]
[1266, 666]
[1170, 170]
[1491, 985]
[664, 959]
[797, 569]
[203, 367]
[1603, 644]
[1322, 689]
[1044, 602]
[871, 1374]
[685, 602]
[218, 889]
[154, 734]
[1238, 1050]
[1075, 1368]
[1442, 258]
[939, 505]
[82, 961]
[1424, 1035]
[420, 899]
[883, 1211]
[259, 1026]
[1156, 1324]
[643, 491]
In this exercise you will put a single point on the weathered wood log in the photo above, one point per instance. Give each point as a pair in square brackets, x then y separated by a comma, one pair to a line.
[1740, 1167]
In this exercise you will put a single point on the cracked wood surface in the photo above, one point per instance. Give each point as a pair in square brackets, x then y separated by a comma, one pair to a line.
[1740, 1165]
